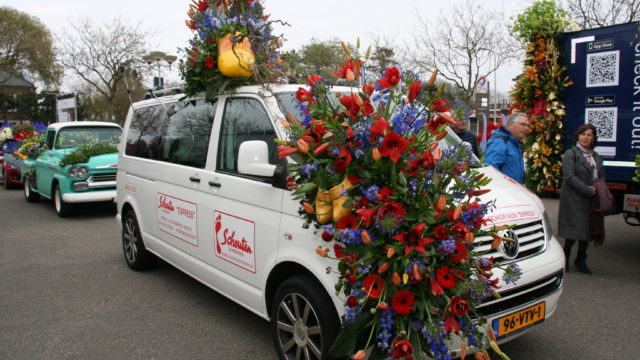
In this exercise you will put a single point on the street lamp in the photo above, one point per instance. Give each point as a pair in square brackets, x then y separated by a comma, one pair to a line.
[156, 58]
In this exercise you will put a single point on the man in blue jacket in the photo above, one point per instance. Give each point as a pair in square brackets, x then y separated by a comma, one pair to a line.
[504, 148]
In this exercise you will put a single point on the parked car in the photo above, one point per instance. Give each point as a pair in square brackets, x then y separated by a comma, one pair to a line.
[200, 185]
[92, 180]
[10, 168]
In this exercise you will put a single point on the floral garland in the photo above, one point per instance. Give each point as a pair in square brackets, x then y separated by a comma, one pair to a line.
[401, 211]
[537, 90]
[229, 33]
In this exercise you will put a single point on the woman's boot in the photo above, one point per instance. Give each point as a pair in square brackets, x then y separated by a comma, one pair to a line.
[568, 244]
[581, 260]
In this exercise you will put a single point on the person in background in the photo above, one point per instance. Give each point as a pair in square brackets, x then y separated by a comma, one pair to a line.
[581, 168]
[504, 148]
[460, 128]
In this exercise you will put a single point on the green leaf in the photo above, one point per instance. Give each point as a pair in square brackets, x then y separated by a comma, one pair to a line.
[345, 343]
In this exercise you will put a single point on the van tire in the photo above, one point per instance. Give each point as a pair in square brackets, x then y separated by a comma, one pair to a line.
[29, 194]
[63, 209]
[135, 253]
[5, 181]
[315, 335]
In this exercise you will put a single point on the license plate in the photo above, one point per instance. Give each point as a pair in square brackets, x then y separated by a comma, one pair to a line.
[513, 322]
[631, 203]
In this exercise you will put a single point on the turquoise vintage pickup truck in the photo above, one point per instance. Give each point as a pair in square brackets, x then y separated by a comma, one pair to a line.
[60, 177]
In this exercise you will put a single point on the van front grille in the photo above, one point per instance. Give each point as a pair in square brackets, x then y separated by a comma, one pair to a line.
[530, 237]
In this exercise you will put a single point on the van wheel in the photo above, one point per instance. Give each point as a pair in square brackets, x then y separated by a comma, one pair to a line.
[63, 209]
[304, 321]
[135, 254]
[29, 194]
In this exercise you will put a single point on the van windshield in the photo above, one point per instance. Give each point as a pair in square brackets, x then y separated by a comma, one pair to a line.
[288, 104]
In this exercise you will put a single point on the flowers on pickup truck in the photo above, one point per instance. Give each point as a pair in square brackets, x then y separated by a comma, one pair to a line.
[377, 174]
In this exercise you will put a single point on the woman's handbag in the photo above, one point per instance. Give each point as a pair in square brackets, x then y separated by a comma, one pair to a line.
[603, 200]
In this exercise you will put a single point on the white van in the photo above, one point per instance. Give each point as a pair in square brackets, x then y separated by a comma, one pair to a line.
[200, 185]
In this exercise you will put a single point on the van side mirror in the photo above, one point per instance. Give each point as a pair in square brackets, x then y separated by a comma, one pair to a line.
[253, 159]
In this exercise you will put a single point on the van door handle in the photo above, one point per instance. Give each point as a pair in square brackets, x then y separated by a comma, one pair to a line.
[194, 179]
[215, 184]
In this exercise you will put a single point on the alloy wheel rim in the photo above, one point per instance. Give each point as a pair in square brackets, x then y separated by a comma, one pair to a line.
[129, 240]
[299, 331]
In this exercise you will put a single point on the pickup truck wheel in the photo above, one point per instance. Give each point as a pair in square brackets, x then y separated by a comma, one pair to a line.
[63, 209]
[304, 322]
[29, 194]
[135, 253]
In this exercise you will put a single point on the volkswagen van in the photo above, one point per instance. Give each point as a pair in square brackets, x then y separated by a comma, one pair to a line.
[200, 185]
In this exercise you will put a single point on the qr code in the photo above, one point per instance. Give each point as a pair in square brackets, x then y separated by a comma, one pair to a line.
[602, 68]
[605, 120]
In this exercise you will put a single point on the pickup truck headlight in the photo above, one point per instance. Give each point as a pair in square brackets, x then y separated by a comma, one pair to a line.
[78, 172]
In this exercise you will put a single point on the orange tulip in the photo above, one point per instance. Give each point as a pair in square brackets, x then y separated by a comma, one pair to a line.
[384, 267]
[320, 148]
[308, 207]
[322, 252]
[365, 237]
[441, 203]
[395, 279]
[375, 154]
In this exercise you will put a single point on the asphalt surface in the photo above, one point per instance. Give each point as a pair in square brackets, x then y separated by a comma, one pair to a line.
[66, 293]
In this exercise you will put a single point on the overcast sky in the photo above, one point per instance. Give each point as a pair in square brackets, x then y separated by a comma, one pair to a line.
[320, 19]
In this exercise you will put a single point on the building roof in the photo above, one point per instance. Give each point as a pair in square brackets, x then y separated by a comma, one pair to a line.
[9, 80]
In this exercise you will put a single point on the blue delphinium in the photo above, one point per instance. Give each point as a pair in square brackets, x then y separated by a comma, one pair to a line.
[371, 193]
[447, 246]
[386, 323]
[512, 274]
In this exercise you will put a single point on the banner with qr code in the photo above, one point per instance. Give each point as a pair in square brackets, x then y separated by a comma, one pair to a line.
[605, 119]
[605, 92]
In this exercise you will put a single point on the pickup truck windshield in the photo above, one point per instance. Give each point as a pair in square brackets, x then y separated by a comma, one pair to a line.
[71, 137]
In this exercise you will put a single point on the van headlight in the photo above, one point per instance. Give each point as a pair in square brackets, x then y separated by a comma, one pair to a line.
[78, 172]
[546, 223]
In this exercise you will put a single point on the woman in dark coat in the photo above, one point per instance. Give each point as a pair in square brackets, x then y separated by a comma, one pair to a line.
[581, 167]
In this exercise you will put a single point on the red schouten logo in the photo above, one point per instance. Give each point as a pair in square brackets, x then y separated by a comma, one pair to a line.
[164, 204]
[229, 239]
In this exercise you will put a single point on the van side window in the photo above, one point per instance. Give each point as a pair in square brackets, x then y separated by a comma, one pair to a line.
[51, 134]
[180, 134]
[244, 119]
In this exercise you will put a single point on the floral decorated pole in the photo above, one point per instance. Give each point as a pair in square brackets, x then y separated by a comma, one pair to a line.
[537, 91]
[399, 212]
[233, 45]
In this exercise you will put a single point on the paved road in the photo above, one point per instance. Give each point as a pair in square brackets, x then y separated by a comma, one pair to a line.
[66, 293]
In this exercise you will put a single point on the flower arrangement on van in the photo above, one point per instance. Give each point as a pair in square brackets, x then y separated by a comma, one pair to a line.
[233, 45]
[399, 213]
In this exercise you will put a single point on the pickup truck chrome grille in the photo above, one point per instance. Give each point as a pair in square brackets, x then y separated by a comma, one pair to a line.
[531, 238]
[102, 177]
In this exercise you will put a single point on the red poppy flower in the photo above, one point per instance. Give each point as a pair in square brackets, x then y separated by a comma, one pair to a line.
[414, 90]
[392, 207]
[413, 239]
[438, 105]
[340, 166]
[337, 249]
[393, 146]
[304, 95]
[352, 301]
[460, 253]
[425, 162]
[401, 348]
[373, 285]
[402, 302]
[451, 324]
[312, 79]
[348, 221]
[326, 236]
[441, 232]
[380, 127]
[392, 76]
[446, 277]
[459, 307]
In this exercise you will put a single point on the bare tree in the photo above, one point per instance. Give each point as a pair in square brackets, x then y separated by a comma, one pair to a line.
[468, 43]
[102, 55]
[597, 13]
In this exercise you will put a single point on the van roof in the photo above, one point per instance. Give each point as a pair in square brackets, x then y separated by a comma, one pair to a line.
[59, 125]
